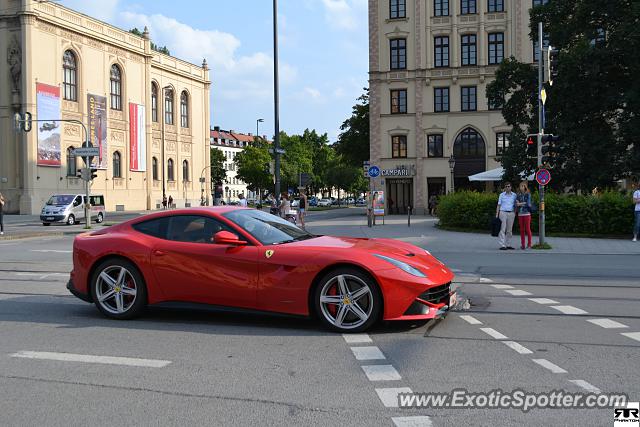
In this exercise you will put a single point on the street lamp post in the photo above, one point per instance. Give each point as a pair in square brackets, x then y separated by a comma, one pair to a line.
[276, 101]
[164, 119]
[258, 127]
[452, 165]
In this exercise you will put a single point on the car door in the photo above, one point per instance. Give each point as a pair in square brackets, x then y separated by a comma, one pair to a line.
[78, 208]
[190, 267]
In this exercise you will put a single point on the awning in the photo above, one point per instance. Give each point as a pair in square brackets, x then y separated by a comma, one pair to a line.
[494, 175]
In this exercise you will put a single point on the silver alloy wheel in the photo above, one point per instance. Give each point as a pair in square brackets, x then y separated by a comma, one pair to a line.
[99, 218]
[346, 301]
[71, 220]
[116, 289]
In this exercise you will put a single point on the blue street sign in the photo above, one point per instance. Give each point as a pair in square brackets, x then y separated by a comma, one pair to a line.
[374, 171]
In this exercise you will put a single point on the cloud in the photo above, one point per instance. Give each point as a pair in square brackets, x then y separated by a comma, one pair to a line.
[345, 14]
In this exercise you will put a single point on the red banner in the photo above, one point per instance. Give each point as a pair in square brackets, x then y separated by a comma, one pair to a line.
[137, 138]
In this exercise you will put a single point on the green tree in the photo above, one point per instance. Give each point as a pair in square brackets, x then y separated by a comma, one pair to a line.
[161, 49]
[216, 160]
[253, 166]
[353, 142]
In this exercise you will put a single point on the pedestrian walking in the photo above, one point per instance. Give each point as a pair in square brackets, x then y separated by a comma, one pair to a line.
[506, 212]
[170, 201]
[523, 204]
[302, 207]
[164, 202]
[243, 201]
[636, 200]
[433, 203]
[285, 205]
[2, 203]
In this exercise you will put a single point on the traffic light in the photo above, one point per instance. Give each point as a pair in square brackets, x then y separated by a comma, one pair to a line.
[548, 148]
[94, 174]
[532, 144]
[79, 173]
[266, 168]
[552, 64]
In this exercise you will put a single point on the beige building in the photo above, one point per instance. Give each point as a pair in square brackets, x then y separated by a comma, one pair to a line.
[148, 112]
[430, 62]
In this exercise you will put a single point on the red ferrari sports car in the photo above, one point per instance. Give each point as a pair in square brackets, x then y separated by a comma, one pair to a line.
[249, 259]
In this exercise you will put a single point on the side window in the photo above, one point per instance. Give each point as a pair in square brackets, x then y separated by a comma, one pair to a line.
[77, 201]
[154, 227]
[194, 228]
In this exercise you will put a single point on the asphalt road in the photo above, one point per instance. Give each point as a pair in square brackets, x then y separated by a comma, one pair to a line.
[548, 322]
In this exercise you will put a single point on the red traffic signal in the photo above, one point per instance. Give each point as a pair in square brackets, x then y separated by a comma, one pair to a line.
[532, 139]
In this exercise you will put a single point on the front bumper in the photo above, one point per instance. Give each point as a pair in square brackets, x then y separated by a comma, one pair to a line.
[434, 303]
[53, 218]
[76, 293]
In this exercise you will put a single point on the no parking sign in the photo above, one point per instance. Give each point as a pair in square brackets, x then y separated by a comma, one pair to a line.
[543, 176]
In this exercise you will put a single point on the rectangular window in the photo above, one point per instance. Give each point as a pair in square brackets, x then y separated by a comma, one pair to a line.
[502, 143]
[469, 49]
[399, 146]
[398, 101]
[496, 6]
[539, 2]
[496, 48]
[441, 8]
[441, 99]
[397, 9]
[467, 7]
[469, 98]
[398, 54]
[441, 51]
[434, 145]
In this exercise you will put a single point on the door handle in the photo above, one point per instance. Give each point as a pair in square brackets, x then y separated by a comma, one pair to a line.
[159, 253]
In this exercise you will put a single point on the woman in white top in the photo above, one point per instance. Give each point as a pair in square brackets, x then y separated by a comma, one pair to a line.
[285, 205]
[636, 200]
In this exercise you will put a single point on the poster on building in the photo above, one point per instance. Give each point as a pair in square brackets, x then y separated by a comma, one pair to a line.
[137, 138]
[378, 203]
[97, 108]
[48, 107]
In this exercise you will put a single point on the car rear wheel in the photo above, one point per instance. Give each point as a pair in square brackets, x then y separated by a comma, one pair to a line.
[118, 289]
[71, 220]
[100, 218]
[348, 300]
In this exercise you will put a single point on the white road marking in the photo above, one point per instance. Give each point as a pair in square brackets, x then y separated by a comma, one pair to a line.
[632, 335]
[52, 250]
[517, 292]
[356, 338]
[607, 323]
[485, 280]
[544, 300]
[367, 353]
[381, 373]
[569, 309]
[517, 347]
[470, 319]
[419, 421]
[550, 366]
[87, 358]
[389, 396]
[502, 286]
[585, 385]
[493, 333]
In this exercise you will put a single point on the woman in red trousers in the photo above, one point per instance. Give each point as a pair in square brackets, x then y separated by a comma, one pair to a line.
[523, 205]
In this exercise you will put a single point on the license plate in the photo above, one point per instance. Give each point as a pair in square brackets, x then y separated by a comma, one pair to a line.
[49, 218]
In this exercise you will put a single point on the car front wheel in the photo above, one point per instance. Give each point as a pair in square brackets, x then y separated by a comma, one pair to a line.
[100, 218]
[348, 300]
[71, 220]
[118, 289]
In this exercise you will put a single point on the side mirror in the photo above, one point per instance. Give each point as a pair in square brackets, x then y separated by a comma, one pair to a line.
[227, 238]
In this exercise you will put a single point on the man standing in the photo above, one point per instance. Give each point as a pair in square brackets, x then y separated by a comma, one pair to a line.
[302, 207]
[506, 212]
[243, 201]
[636, 200]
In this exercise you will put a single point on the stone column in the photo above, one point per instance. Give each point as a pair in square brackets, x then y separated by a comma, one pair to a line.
[148, 56]
[419, 111]
[374, 89]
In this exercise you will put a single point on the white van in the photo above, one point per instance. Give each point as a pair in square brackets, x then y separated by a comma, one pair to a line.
[69, 208]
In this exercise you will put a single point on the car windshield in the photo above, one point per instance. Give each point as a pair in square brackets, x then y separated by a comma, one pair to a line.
[266, 228]
[60, 200]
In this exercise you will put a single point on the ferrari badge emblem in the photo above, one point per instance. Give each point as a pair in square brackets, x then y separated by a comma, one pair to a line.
[268, 253]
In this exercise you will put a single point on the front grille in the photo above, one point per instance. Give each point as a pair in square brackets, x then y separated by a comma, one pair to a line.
[437, 294]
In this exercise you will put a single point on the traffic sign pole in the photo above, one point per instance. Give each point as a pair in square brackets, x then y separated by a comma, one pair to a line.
[541, 223]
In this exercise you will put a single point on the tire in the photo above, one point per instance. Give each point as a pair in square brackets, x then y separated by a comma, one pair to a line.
[99, 218]
[122, 300]
[354, 311]
[71, 220]
[46, 224]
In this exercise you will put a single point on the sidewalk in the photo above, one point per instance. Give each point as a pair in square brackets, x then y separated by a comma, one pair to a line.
[424, 233]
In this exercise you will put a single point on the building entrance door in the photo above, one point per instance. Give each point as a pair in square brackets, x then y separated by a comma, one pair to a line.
[399, 195]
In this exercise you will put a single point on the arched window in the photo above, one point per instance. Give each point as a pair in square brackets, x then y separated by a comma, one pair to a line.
[185, 170]
[71, 162]
[116, 88]
[117, 169]
[168, 106]
[184, 109]
[154, 168]
[469, 144]
[154, 102]
[70, 76]
[170, 175]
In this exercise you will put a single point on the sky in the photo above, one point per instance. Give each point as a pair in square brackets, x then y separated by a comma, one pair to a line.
[323, 55]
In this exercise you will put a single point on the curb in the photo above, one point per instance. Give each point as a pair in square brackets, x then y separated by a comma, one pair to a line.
[20, 236]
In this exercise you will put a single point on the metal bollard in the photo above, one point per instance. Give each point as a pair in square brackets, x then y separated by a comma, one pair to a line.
[369, 218]
[408, 216]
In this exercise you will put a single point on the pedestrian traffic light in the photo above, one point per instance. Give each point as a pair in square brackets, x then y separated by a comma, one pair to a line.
[548, 148]
[532, 143]
[79, 173]
[552, 64]
[94, 174]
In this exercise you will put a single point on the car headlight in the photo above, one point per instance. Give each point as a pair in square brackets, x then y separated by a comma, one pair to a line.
[402, 266]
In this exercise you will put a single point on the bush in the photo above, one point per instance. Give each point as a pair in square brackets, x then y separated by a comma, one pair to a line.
[609, 213]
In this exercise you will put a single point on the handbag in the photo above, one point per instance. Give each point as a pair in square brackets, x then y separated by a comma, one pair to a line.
[496, 223]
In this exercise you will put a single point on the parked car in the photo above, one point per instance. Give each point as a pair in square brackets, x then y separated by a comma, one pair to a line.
[69, 208]
[313, 201]
[351, 201]
[334, 201]
[295, 203]
[210, 255]
[324, 203]
[361, 202]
